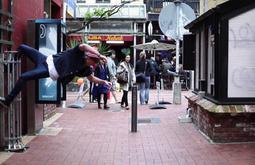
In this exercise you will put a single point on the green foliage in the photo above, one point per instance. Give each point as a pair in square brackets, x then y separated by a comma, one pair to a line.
[73, 42]
[97, 13]
[103, 48]
[126, 51]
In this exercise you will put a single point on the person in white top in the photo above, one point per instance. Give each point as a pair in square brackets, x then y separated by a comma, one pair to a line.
[112, 72]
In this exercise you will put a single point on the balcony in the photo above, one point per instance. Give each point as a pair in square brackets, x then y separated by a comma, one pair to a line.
[155, 6]
[129, 11]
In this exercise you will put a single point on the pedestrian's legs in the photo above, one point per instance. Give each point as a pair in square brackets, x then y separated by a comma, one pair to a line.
[33, 54]
[114, 96]
[41, 71]
[113, 89]
[105, 101]
[126, 98]
[147, 89]
[99, 100]
[123, 98]
[142, 92]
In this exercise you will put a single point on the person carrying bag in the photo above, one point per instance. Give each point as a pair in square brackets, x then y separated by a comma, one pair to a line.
[143, 70]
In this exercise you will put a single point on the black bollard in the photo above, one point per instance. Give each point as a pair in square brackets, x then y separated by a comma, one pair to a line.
[134, 109]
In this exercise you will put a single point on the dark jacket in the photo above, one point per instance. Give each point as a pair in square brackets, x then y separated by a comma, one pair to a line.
[141, 65]
[71, 63]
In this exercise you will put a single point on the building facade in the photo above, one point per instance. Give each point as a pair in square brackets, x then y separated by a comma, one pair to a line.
[121, 30]
[224, 67]
[206, 5]
[14, 16]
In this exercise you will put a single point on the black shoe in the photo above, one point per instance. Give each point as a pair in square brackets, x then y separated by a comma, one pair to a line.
[106, 107]
[146, 102]
[3, 102]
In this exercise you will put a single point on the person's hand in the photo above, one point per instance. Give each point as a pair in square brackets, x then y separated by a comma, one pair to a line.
[103, 58]
[108, 84]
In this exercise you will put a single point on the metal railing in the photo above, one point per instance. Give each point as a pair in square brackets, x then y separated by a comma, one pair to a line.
[11, 117]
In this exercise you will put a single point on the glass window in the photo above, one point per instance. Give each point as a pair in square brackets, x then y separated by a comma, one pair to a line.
[102, 1]
[210, 62]
[111, 27]
[197, 62]
[81, 1]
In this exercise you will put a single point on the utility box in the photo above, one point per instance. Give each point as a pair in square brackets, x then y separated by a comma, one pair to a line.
[47, 36]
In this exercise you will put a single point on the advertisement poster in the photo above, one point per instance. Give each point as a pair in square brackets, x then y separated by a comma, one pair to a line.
[47, 46]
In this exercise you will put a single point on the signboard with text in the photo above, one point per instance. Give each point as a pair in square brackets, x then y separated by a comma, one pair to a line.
[109, 38]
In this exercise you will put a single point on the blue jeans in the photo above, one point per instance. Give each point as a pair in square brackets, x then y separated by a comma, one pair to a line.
[145, 90]
[40, 70]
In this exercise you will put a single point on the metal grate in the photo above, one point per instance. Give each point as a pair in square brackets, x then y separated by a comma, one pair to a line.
[152, 120]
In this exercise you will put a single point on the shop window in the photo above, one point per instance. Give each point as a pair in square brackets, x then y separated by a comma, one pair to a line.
[197, 62]
[81, 1]
[211, 63]
[103, 1]
[111, 27]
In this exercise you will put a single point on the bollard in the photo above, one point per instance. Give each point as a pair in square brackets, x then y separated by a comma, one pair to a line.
[134, 109]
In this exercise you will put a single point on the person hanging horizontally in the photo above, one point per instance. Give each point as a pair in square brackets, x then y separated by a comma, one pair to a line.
[63, 66]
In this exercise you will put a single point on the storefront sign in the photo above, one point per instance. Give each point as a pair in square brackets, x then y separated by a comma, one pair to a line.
[110, 38]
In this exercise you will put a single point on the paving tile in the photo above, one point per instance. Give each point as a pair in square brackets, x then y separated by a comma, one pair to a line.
[98, 137]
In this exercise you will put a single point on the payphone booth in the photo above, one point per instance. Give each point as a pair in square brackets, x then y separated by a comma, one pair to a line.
[48, 36]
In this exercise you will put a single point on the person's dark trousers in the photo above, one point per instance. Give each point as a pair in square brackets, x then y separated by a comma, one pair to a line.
[40, 70]
[90, 92]
[124, 98]
[99, 99]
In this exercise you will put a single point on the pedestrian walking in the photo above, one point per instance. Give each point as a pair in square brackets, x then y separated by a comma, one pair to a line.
[125, 66]
[102, 72]
[143, 72]
[112, 72]
[63, 66]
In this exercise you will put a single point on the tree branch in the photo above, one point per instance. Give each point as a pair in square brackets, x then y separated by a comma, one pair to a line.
[105, 15]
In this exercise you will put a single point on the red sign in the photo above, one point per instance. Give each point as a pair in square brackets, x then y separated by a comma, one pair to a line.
[110, 38]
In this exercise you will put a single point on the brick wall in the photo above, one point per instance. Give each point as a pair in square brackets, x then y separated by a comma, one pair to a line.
[224, 127]
[49, 111]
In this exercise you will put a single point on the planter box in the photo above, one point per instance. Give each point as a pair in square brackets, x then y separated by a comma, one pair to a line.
[223, 123]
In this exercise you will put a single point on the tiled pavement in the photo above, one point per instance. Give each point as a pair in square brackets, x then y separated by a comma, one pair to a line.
[100, 137]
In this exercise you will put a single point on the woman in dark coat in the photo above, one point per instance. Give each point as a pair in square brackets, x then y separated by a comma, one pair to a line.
[102, 72]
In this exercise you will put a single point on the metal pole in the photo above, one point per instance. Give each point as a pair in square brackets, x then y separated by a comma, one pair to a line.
[10, 111]
[158, 90]
[134, 109]
[135, 33]
[176, 84]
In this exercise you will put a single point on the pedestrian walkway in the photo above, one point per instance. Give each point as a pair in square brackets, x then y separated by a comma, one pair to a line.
[101, 137]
